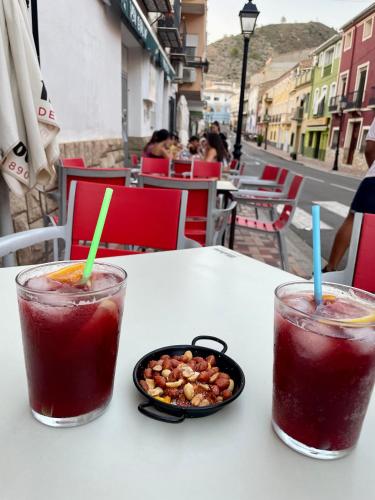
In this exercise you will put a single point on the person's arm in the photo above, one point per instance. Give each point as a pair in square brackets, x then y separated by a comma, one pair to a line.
[370, 152]
[370, 145]
[158, 150]
[211, 155]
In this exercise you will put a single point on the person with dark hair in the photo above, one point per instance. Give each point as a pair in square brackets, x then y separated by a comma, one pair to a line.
[175, 146]
[215, 150]
[193, 145]
[215, 129]
[158, 145]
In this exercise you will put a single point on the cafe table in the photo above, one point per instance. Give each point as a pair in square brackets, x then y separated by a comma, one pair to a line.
[231, 455]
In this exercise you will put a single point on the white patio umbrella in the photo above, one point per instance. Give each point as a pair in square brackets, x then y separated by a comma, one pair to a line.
[28, 128]
[183, 120]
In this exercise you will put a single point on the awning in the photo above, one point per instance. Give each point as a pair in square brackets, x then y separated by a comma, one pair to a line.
[138, 24]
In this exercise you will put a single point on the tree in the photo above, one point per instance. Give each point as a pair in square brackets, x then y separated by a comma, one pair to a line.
[234, 53]
[283, 20]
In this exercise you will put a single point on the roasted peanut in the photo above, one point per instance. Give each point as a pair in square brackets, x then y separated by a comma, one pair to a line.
[144, 385]
[194, 377]
[198, 359]
[173, 385]
[150, 383]
[192, 364]
[231, 385]
[211, 360]
[167, 364]
[148, 373]
[205, 402]
[204, 377]
[189, 392]
[175, 363]
[226, 394]
[215, 390]
[196, 401]
[152, 364]
[160, 381]
[188, 355]
[173, 393]
[224, 375]
[205, 387]
[222, 383]
[202, 366]
[213, 370]
[157, 368]
[214, 377]
[165, 356]
[187, 372]
[219, 399]
[158, 391]
[166, 373]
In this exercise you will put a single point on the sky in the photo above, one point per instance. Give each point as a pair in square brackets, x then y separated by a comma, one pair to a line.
[223, 14]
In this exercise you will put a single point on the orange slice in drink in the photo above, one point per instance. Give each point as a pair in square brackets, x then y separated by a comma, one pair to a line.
[329, 298]
[70, 275]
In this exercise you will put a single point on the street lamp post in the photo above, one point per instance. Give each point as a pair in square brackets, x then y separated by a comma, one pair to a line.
[267, 120]
[342, 107]
[248, 18]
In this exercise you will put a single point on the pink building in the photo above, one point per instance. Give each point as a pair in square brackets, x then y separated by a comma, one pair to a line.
[355, 90]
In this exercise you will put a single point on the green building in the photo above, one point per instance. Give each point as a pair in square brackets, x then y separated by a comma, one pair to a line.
[324, 89]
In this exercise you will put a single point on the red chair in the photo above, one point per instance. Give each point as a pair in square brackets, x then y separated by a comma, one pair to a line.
[73, 162]
[206, 169]
[181, 169]
[109, 176]
[156, 166]
[269, 178]
[137, 219]
[134, 160]
[204, 222]
[281, 224]
[360, 270]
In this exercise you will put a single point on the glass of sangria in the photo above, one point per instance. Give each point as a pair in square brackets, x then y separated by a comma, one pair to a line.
[324, 367]
[70, 332]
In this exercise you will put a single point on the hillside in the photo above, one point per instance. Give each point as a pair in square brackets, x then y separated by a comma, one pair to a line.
[225, 55]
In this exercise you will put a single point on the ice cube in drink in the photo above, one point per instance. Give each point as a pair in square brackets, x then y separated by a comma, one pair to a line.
[70, 337]
[324, 368]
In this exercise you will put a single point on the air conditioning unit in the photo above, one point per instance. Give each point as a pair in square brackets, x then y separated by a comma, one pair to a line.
[189, 75]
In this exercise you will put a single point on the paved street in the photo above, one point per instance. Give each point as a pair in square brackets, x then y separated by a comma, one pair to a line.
[333, 191]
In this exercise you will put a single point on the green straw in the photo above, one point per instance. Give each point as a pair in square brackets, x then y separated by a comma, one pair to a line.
[97, 234]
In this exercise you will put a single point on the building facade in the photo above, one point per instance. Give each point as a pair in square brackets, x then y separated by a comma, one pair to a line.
[194, 65]
[324, 89]
[217, 97]
[356, 91]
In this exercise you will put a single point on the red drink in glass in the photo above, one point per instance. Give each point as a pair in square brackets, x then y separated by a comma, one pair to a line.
[324, 367]
[70, 337]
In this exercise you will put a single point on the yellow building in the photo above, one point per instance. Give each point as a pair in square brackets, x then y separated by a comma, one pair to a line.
[275, 109]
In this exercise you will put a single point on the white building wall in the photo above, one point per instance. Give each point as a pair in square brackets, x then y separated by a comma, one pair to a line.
[80, 46]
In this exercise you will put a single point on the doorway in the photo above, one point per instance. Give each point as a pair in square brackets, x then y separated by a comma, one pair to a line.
[318, 137]
[356, 127]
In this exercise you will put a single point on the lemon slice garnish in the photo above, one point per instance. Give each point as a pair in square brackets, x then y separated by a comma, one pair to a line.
[69, 274]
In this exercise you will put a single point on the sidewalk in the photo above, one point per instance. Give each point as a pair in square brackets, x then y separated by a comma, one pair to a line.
[309, 162]
[264, 247]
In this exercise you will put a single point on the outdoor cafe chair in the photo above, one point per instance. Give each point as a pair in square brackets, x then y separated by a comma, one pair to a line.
[73, 162]
[109, 176]
[137, 219]
[182, 168]
[206, 169]
[156, 166]
[279, 225]
[134, 160]
[360, 269]
[205, 223]
[269, 178]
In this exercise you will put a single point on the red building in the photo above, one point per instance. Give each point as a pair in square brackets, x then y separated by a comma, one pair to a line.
[354, 108]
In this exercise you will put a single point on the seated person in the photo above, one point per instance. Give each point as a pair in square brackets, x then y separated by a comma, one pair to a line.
[193, 145]
[158, 146]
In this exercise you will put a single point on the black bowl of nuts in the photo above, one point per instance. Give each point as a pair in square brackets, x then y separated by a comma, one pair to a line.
[187, 381]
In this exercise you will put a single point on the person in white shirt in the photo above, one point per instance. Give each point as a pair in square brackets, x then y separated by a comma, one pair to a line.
[364, 202]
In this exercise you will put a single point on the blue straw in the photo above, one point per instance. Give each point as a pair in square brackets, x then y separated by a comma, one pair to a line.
[317, 255]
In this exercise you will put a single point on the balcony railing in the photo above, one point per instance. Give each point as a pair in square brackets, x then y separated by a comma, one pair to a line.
[304, 78]
[162, 6]
[298, 113]
[355, 100]
[327, 70]
[320, 110]
[168, 32]
[197, 62]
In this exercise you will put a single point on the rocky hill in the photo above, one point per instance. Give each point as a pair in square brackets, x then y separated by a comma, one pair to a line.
[225, 55]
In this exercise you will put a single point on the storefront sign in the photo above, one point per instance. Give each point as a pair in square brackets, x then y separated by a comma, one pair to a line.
[142, 30]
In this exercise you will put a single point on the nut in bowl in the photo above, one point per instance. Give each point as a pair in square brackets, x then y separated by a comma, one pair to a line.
[187, 381]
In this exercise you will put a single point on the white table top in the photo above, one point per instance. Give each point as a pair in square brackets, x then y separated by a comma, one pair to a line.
[226, 186]
[232, 455]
